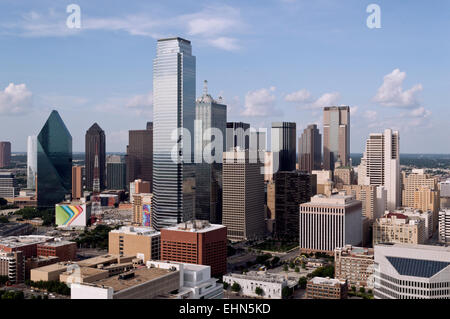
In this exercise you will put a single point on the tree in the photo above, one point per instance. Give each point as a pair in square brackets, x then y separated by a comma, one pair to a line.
[353, 288]
[297, 269]
[291, 265]
[225, 285]
[3, 280]
[285, 267]
[362, 290]
[286, 292]
[275, 261]
[369, 291]
[259, 291]
[4, 220]
[235, 287]
[3, 202]
[302, 282]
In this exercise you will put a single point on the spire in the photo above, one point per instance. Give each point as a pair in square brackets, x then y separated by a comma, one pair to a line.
[205, 88]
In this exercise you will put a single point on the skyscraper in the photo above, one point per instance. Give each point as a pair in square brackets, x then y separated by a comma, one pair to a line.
[5, 154]
[139, 159]
[54, 162]
[31, 162]
[210, 115]
[116, 175]
[243, 196]
[77, 182]
[336, 136]
[95, 145]
[284, 140]
[173, 114]
[381, 164]
[238, 135]
[310, 149]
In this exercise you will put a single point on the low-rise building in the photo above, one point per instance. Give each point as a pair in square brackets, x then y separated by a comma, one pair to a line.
[50, 272]
[38, 261]
[131, 241]
[63, 249]
[399, 228]
[270, 284]
[354, 265]
[326, 288]
[12, 265]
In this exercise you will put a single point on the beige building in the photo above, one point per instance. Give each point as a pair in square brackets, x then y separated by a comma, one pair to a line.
[354, 264]
[373, 199]
[343, 176]
[133, 241]
[421, 191]
[50, 272]
[326, 288]
[325, 182]
[399, 228]
[336, 136]
[243, 196]
[271, 200]
[82, 275]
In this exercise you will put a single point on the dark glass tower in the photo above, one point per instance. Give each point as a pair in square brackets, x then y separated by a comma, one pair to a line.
[139, 159]
[209, 115]
[284, 146]
[310, 149]
[95, 144]
[54, 162]
[238, 135]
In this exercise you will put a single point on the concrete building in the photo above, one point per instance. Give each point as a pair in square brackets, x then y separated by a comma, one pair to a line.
[310, 149]
[196, 242]
[238, 136]
[268, 166]
[426, 216]
[326, 288]
[130, 240]
[12, 265]
[8, 185]
[271, 285]
[31, 162]
[343, 176]
[95, 157]
[116, 175]
[139, 187]
[444, 226]
[139, 158]
[354, 265]
[243, 197]
[325, 182]
[50, 272]
[37, 262]
[327, 223]
[373, 199]
[5, 154]
[412, 272]
[381, 165]
[77, 182]
[63, 249]
[399, 228]
[336, 136]
[26, 244]
[142, 209]
[444, 188]
[291, 189]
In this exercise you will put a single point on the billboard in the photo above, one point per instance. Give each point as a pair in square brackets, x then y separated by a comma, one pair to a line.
[146, 215]
[71, 215]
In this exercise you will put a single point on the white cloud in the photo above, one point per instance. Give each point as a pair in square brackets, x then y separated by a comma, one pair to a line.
[420, 112]
[225, 43]
[144, 101]
[370, 115]
[327, 99]
[15, 99]
[300, 96]
[137, 105]
[391, 93]
[260, 103]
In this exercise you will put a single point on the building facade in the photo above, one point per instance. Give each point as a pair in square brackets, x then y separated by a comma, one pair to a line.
[284, 136]
[5, 154]
[31, 162]
[326, 288]
[95, 154]
[444, 226]
[8, 185]
[310, 149]
[238, 136]
[336, 136]
[399, 228]
[139, 158]
[77, 182]
[135, 241]
[354, 265]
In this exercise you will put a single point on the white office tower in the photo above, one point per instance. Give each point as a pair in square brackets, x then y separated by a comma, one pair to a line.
[381, 165]
[173, 132]
[444, 226]
[327, 223]
[412, 272]
[31, 162]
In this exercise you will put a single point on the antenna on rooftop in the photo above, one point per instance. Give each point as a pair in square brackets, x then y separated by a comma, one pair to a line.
[205, 87]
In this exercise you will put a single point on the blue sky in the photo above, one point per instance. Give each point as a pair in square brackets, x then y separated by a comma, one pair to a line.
[271, 60]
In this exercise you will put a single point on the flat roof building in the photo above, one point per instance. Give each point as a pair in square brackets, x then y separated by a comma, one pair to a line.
[354, 265]
[133, 241]
[326, 288]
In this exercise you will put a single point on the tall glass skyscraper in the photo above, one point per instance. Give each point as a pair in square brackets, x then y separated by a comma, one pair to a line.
[173, 111]
[54, 162]
[284, 146]
[209, 114]
[31, 162]
[95, 146]
[336, 136]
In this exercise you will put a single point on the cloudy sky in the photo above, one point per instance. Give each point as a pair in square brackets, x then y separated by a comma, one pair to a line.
[271, 60]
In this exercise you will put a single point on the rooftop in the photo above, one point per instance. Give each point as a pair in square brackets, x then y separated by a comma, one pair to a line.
[198, 226]
[104, 259]
[141, 276]
[20, 241]
[57, 243]
[325, 281]
[133, 230]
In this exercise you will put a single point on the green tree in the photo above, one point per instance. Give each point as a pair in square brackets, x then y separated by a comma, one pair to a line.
[362, 290]
[285, 267]
[259, 291]
[286, 292]
[235, 287]
[275, 261]
[297, 269]
[225, 285]
[4, 220]
[3, 280]
[302, 282]
[353, 288]
[3, 202]
[291, 265]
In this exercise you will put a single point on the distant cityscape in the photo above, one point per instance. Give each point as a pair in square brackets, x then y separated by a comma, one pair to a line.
[202, 208]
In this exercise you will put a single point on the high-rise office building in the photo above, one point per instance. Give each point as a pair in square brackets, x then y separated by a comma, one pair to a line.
[77, 182]
[173, 113]
[310, 149]
[327, 223]
[243, 196]
[381, 164]
[54, 162]
[116, 176]
[444, 226]
[31, 162]
[135, 241]
[196, 242]
[139, 159]
[209, 115]
[95, 145]
[8, 185]
[5, 154]
[396, 227]
[373, 199]
[336, 136]
[291, 189]
[238, 135]
[284, 136]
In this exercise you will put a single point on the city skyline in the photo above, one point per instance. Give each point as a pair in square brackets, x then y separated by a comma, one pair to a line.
[383, 91]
